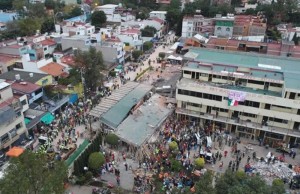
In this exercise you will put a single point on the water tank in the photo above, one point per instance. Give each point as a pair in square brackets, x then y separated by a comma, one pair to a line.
[17, 77]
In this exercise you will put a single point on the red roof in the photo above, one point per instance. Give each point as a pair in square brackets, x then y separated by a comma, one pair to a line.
[7, 58]
[24, 87]
[7, 102]
[68, 59]
[48, 42]
[53, 69]
[131, 31]
[157, 19]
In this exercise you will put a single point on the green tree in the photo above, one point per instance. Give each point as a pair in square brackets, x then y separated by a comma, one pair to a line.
[29, 26]
[162, 55]
[199, 163]
[136, 54]
[173, 145]
[6, 4]
[19, 4]
[50, 4]
[205, 183]
[98, 18]
[47, 26]
[75, 11]
[278, 187]
[33, 173]
[112, 139]
[147, 45]
[96, 160]
[148, 31]
[176, 165]
[90, 63]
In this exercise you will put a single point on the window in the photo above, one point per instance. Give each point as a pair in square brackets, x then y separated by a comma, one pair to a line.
[249, 115]
[256, 82]
[200, 95]
[249, 103]
[227, 29]
[24, 102]
[45, 48]
[219, 28]
[281, 107]
[276, 85]
[18, 126]
[45, 81]
[18, 114]
[0, 96]
[267, 106]
[278, 120]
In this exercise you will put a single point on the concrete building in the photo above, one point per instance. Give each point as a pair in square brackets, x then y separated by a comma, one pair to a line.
[247, 25]
[158, 14]
[197, 25]
[11, 116]
[131, 37]
[240, 10]
[108, 9]
[224, 25]
[252, 96]
[255, 44]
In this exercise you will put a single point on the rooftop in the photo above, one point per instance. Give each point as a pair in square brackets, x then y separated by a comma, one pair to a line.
[48, 42]
[138, 127]
[114, 116]
[107, 6]
[8, 58]
[290, 67]
[10, 75]
[3, 84]
[53, 69]
[159, 12]
[25, 87]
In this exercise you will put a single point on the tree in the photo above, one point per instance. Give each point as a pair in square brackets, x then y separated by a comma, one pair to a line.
[75, 11]
[96, 160]
[148, 31]
[205, 183]
[278, 186]
[98, 18]
[47, 26]
[176, 165]
[136, 54]
[238, 182]
[173, 145]
[50, 4]
[199, 163]
[162, 55]
[112, 139]
[33, 173]
[147, 45]
[90, 63]
[29, 26]
[6, 4]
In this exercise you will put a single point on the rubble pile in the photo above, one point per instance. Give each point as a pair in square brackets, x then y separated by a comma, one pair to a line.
[269, 172]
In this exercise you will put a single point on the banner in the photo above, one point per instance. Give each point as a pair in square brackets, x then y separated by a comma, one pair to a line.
[237, 96]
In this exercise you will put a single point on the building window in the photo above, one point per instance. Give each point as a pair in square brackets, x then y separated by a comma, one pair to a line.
[256, 82]
[250, 103]
[45, 81]
[187, 72]
[45, 48]
[278, 120]
[276, 85]
[24, 102]
[249, 115]
[227, 29]
[219, 28]
[18, 126]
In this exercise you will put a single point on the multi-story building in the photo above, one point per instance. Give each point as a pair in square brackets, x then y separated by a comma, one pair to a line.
[224, 25]
[250, 95]
[247, 25]
[197, 25]
[11, 116]
[158, 14]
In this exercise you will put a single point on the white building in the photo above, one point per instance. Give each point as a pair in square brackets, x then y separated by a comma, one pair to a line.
[77, 28]
[159, 14]
[252, 96]
[132, 37]
[240, 10]
[196, 25]
[108, 9]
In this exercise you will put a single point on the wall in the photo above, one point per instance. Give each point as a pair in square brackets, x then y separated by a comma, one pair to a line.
[25, 107]
[67, 43]
[5, 94]
[43, 82]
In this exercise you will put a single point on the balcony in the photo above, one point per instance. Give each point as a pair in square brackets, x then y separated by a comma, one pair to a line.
[7, 142]
[232, 121]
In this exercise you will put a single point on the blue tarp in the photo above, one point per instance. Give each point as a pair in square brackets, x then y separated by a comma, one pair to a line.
[73, 98]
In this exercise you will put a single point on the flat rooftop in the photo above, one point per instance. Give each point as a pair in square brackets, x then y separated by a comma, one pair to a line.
[288, 66]
[138, 127]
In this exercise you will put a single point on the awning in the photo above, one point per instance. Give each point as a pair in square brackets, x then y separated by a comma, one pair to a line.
[77, 152]
[27, 121]
[73, 98]
[15, 152]
[47, 118]
[174, 58]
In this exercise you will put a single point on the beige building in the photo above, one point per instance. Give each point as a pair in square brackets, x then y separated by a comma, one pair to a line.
[11, 115]
[252, 96]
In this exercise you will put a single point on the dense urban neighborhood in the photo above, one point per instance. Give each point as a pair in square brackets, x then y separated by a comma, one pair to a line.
[149, 96]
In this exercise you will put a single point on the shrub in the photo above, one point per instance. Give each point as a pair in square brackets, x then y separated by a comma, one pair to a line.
[96, 160]
[173, 145]
[112, 139]
[199, 163]
[176, 166]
